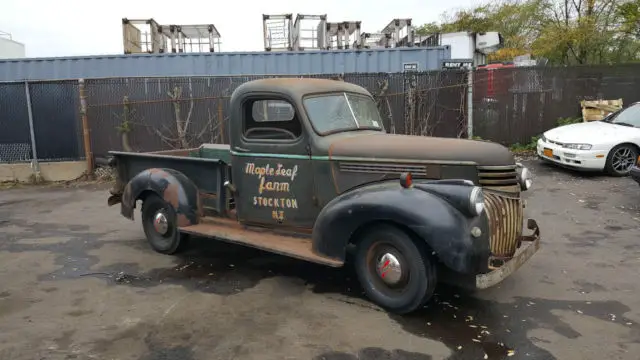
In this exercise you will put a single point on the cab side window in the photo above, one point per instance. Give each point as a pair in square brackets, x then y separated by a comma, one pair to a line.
[271, 119]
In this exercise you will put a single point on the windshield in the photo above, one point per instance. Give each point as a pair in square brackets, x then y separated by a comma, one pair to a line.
[626, 117]
[342, 112]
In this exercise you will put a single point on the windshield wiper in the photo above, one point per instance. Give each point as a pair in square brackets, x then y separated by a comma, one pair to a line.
[623, 124]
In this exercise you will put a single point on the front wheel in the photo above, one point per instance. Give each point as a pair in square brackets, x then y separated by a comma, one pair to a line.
[394, 271]
[621, 159]
[159, 221]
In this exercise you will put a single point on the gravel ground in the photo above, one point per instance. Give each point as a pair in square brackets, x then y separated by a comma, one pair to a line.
[77, 281]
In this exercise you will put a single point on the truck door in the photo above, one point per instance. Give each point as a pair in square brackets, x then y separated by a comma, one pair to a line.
[272, 165]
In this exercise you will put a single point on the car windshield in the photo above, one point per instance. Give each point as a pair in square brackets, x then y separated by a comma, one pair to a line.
[342, 112]
[626, 117]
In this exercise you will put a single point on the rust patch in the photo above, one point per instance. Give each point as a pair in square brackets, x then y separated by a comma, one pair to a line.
[126, 195]
[332, 166]
[209, 195]
[265, 239]
[114, 199]
[156, 173]
[308, 85]
[394, 147]
[171, 195]
[178, 152]
[199, 205]
[183, 221]
[296, 88]
[506, 217]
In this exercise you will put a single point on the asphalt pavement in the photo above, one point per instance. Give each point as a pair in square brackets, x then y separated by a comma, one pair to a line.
[78, 281]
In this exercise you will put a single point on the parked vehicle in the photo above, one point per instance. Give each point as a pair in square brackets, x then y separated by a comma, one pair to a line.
[611, 144]
[635, 172]
[311, 173]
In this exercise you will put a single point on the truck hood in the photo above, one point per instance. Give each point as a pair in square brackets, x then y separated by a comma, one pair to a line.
[406, 147]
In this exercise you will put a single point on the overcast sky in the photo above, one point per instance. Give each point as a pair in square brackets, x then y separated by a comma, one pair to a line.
[74, 27]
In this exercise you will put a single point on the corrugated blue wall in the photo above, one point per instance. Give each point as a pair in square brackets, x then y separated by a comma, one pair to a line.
[224, 64]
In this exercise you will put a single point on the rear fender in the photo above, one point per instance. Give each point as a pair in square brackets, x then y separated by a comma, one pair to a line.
[428, 216]
[171, 185]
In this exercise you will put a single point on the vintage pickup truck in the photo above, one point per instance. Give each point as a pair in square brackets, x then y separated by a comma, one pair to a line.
[311, 173]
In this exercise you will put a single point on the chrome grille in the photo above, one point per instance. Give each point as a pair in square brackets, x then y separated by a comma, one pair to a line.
[383, 168]
[505, 215]
[497, 176]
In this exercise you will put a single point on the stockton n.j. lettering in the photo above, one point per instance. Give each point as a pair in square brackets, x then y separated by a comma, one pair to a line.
[286, 203]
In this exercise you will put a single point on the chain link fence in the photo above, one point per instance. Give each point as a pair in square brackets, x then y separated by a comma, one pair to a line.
[514, 105]
[54, 128]
[152, 114]
[15, 137]
[149, 114]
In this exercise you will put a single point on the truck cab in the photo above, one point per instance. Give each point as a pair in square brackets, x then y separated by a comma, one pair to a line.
[310, 172]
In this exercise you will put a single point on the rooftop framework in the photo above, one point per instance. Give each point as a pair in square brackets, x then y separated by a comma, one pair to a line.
[147, 36]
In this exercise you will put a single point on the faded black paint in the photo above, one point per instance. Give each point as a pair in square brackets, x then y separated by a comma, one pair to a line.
[443, 227]
[173, 186]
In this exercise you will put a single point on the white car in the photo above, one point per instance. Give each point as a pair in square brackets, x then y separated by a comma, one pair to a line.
[611, 144]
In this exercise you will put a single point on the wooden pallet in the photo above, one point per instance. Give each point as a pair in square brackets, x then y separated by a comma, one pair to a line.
[594, 110]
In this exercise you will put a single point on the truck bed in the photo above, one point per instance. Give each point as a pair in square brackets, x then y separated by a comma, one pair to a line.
[206, 172]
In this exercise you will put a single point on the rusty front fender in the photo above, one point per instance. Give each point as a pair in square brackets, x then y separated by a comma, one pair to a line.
[171, 185]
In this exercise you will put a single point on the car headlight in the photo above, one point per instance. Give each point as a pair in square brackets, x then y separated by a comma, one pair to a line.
[543, 138]
[524, 177]
[476, 201]
[578, 146]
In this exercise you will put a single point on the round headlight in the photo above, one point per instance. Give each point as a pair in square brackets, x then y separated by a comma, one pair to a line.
[525, 179]
[476, 201]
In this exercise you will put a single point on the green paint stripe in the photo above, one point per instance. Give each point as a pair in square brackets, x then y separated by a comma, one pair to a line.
[348, 158]
[279, 156]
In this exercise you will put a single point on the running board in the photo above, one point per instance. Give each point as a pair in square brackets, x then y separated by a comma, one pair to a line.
[233, 232]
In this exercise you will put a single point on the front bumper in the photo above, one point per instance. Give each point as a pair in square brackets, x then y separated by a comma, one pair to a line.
[635, 173]
[579, 159]
[530, 245]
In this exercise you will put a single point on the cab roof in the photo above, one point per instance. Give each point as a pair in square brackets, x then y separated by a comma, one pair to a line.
[296, 88]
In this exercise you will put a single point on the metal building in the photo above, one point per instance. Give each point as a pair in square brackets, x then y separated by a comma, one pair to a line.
[9, 48]
[225, 64]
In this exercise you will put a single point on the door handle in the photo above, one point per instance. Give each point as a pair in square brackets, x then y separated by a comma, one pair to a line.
[237, 148]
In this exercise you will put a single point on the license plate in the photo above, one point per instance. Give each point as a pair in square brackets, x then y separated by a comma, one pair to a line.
[548, 152]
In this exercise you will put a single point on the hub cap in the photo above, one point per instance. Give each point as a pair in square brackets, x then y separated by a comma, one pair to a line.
[388, 268]
[160, 223]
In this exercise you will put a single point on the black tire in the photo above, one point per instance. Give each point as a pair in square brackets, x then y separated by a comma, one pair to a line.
[611, 166]
[170, 242]
[414, 288]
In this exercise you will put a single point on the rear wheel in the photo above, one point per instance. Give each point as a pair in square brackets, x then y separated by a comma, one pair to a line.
[620, 159]
[394, 271]
[159, 221]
